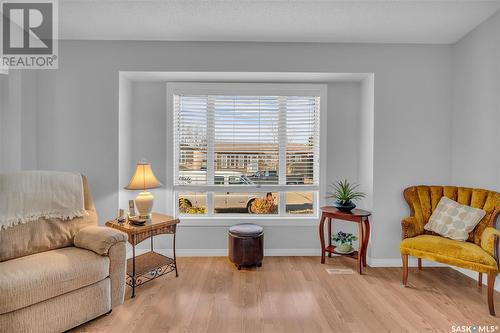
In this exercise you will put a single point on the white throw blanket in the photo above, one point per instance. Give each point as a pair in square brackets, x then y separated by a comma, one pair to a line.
[29, 195]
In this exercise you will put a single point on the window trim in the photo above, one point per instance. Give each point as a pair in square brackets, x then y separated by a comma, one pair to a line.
[247, 89]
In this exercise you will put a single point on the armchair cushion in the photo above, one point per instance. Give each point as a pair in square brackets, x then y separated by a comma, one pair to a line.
[31, 279]
[45, 234]
[99, 239]
[448, 251]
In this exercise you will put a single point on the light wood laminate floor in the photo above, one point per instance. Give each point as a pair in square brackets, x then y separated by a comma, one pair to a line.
[296, 294]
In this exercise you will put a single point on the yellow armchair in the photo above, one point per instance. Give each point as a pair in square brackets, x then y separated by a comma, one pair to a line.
[478, 253]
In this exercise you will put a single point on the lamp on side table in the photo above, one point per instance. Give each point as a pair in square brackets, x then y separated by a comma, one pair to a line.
[143, 179]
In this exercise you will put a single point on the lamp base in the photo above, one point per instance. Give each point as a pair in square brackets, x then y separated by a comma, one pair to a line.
[144, 203]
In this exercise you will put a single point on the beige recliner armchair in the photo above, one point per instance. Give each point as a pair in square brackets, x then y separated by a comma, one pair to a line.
[55, 275]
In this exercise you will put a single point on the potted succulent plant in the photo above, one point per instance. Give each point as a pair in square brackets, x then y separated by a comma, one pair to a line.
[344, 241]
[344, 194]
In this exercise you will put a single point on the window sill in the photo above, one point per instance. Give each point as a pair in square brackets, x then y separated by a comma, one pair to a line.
[226, 221]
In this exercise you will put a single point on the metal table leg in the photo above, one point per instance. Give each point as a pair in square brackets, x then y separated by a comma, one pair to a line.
[175, 259]
[133, 271]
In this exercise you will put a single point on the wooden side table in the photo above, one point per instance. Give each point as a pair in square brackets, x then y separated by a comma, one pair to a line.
[361, 217]
[150, 265]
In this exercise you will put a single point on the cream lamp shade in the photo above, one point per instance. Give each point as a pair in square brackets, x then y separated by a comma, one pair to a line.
[143, 179]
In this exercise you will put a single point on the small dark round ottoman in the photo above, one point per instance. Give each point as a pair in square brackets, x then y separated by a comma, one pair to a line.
[246, 244]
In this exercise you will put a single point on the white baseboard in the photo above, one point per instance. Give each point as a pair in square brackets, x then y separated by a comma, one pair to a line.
[292, 252]
[184, 252]
[223, 252]
[396, 262]
[372, 262]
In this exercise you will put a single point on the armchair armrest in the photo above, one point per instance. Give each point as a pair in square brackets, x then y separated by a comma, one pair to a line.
[107, 242]
[409, 227]
[489, 241]
[99, 239]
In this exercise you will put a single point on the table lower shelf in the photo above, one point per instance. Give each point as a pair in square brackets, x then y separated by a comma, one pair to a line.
[331, 249]
[148, 266]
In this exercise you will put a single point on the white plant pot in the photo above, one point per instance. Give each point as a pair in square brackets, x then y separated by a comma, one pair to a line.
[344, 247]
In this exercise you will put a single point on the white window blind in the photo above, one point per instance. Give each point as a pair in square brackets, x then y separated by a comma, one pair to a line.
[270, 139]
[302, 144]
[246, 132]
[246, 149]
[190, 139]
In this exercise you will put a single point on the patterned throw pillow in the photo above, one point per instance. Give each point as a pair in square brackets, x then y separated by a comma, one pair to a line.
[453, 220]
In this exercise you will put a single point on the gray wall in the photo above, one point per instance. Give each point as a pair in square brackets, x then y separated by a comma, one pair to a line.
[4, 90]
[476, 107]
[10, 119]
[18, 116]
[77, 127]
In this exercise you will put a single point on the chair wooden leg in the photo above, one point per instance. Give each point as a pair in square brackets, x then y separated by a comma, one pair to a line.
[480, 280]
[491, 291]
[404, 258]
[419, 264]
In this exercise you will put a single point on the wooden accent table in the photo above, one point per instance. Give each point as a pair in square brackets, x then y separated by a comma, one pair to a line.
[356, 215]
[150, 265]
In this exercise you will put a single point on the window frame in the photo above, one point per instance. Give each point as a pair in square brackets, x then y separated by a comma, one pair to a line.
[248, 89]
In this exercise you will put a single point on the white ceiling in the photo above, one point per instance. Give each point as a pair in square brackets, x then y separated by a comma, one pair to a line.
[374, 21]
